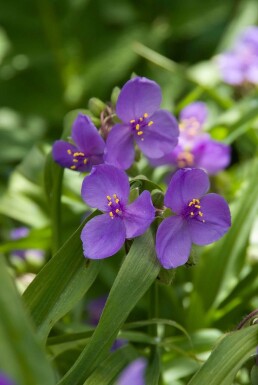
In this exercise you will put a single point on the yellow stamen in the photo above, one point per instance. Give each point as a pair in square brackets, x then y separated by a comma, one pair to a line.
[85, 160]
[200, 213]
[117, 211]
[145, 115]
[197, 206]
[150, 123]
[132, 121]
[111, 214]
[114, 195]
[110, 204]
[69, 152]
[108, 198]
[141, 119]
[137, 127]
[75, 160]
[192, 213]
[117, 200]
[78, 154]
[139, 132]
[73, 167]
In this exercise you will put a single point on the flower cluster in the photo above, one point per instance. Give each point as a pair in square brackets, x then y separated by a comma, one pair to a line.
[195, 147]
[240, 65]
[197, 218]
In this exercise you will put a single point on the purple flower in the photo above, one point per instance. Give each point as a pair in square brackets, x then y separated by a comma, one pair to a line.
[134, 374]
[199, 219]
[36, 255]
[4, 380]
[87, 151]
[107, 189]
[195, 148]
[155, 131]
[240, 64]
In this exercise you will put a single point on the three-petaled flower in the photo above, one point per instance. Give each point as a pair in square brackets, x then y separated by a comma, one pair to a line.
[154, 130]
[195, 147]
[87, 151]
[199, 219]
[107, 189]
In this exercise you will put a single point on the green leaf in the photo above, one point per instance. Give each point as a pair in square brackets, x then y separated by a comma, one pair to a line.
[153, 370]
[108, 370]
[61, 284]
[20, 354]
[227, 358]
[137, 273]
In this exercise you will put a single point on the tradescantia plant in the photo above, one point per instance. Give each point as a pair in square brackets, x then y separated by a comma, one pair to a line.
[149, 225]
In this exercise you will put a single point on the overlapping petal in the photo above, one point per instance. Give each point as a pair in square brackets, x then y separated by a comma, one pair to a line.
[61, 153]
[217, 219]
[86, 136]
[210, 155]
[173, 242]
[137, 97]
[161, 137]
[105, 180]
[186, 184]
[102, 236]
[120, 149]
[197, 110]
[139, 215]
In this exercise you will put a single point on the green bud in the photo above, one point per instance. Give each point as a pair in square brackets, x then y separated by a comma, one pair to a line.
[114, 95]
[157, 198]
[166, 277]
[96, 106]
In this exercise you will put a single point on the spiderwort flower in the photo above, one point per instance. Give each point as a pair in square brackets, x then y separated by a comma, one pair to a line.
[87, 151]
[240, 64]
[107, 189]
[155, 131]
[134, 373]
[199, 219]
[196, 148]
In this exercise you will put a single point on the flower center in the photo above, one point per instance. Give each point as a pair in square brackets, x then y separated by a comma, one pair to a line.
[190, 126]
[193, 210]
[138, 126]
[79, 159]
[185, 159]
[114, 206]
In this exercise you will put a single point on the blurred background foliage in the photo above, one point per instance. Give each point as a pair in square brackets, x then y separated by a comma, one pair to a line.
[54, 56]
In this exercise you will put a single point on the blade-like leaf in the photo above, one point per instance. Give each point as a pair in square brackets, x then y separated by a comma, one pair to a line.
[226, 359]
[60, 284]
[20, 355]
[136, 275]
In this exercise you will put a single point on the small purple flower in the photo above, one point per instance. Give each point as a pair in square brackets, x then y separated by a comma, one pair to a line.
[87, 151]
[4, 380]
[196, 148]
[155, 131]
[107, 189]
[240, 65]
[36, 255]
[199, 219]
[134, 373]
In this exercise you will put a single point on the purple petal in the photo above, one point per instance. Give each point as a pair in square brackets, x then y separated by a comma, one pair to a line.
[161, 137]
[197, 110]
[63, 153]
[19, 232]
[217, 219]
[86, 136]
[134, 374]
[102, 236]
[211, 156]
[95, 308]
[120, 147]
[105, 180]
[138, 97]
[185, 185]
[4, 380]
[139, 215]
[173, 242]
